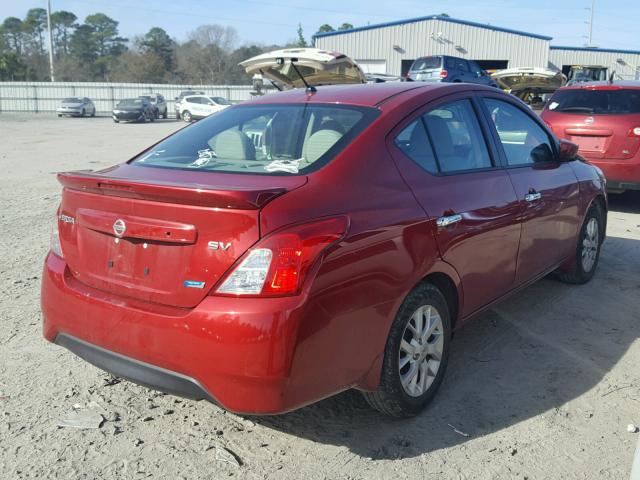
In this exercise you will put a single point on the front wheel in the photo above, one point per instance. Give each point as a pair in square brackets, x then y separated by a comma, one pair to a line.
[587, 251]
[165, 114]
[416, 354]
[186, 116]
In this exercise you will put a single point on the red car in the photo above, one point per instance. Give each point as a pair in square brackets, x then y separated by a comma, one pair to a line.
[306, 243]
[603, 118]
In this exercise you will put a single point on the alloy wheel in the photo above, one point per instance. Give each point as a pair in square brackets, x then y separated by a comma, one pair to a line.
[590, 243]
[421, 350]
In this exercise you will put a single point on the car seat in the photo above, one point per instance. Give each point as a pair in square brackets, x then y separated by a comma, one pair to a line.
[234, 145]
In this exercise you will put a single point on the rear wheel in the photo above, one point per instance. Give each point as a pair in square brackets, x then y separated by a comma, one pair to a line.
[416, 354]
[588, 248]
[93, 113]
[186, 116]
[82, 113]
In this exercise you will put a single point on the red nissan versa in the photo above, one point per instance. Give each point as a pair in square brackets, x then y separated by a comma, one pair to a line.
[302, 244]
[603, 118]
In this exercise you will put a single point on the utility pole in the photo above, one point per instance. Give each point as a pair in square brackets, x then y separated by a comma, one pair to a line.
[51, 71]
[593, 4]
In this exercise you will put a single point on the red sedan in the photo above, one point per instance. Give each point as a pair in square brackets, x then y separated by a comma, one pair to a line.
[305, 243]
[603, 118]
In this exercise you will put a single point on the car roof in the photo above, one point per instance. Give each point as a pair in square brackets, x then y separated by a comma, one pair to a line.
[366, 95]
[602, 85]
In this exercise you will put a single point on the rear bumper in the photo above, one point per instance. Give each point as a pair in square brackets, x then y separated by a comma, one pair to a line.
[134, 370]
[620, 174]
[240, 357]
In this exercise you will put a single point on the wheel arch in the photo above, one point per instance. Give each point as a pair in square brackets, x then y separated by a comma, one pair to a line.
[450, 290]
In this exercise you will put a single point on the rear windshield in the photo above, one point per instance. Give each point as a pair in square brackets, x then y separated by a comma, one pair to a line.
[262, 139]
[427, 63]
[597, 102]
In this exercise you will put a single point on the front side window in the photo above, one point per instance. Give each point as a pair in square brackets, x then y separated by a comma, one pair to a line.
[523, 140]
[447, 139]
[263, 139]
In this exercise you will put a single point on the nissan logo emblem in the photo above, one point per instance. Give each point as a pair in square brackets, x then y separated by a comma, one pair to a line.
[589, 121]
[119, 227]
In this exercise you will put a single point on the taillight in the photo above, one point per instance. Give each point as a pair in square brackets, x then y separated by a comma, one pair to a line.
[54, 242]
[444, 73]
[277, 265]
[634, 132]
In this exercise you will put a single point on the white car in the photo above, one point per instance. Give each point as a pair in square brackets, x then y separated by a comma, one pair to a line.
[193, 107]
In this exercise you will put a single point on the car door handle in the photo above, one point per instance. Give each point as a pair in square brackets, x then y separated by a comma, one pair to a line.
[532, 197]
[448, 220]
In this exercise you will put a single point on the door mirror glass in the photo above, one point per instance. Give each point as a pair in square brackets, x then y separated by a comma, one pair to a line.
[568, 151]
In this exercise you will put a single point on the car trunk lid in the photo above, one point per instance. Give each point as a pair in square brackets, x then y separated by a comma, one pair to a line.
[602, 136]
[159, 240]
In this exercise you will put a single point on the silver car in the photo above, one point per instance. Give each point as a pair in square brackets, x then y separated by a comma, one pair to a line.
[76, 107]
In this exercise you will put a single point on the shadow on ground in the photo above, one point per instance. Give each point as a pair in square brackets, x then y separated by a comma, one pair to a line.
[531, 354]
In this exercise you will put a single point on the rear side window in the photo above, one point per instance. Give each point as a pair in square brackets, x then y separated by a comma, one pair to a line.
[262, 139]
[427, 63]
[415, 144]
[447, 139]
[597, 102]
[461, 64]
[523, 140]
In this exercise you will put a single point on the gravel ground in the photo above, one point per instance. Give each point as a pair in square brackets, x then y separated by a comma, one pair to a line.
[543, 386]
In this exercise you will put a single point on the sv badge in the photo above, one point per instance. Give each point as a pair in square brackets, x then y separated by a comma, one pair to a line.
[219, 246]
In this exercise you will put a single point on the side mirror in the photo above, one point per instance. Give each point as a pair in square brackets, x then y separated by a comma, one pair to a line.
[568, 150]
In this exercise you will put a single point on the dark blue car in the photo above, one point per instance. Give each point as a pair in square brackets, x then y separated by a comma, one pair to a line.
[443, 68]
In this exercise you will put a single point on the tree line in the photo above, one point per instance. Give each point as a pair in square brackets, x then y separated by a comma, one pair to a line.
[93, 50]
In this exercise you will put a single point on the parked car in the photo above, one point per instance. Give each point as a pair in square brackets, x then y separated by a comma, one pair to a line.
[158, 103]
[338, 249]
[443, 68]
[178, 100]
[604, 120]
[317, 67]
[76, 107]
[529, 84]
[195, 107]
[133, 110]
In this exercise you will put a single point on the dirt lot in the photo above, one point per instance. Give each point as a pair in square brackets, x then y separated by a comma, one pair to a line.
[544, 385]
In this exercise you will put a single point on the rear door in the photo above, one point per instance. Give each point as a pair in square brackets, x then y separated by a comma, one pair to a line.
[547, 189]
[443, 154]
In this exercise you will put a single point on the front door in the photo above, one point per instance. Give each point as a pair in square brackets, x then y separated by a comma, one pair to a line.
[444, 156]
[546, 188]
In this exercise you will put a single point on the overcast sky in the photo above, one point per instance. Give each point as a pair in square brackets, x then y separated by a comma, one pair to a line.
[276, 21]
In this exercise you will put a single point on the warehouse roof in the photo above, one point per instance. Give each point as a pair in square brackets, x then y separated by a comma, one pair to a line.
[431, 17]
[594, 49]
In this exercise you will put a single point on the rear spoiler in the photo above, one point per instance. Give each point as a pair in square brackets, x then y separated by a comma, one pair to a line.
[200, 195]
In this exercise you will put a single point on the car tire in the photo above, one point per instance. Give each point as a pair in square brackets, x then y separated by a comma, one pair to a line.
[587, 249]
[59, 115]
[93, 113]
[165, 114]
[152, 117]
[186, 116]
[116, 121]
[82, 113]
[398, 395]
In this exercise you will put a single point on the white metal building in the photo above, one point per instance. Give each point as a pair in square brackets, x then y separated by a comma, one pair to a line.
[626, 63]
[391, 47]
